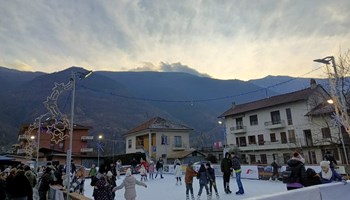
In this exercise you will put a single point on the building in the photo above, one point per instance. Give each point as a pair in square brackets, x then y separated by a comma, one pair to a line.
[274, 127]
[49, 149]
[158, 137]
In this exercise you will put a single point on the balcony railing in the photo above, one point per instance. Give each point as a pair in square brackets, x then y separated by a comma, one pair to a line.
[86, 138]
[86, 150]
[22, 137]
[21, 151]
[238, 129]
[179, 147]
[275, 124]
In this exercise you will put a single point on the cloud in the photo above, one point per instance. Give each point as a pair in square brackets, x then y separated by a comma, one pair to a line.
[166, 67]
[231, 39]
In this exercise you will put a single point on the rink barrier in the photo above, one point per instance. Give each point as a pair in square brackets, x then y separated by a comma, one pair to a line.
[330, 191]
[57, 193]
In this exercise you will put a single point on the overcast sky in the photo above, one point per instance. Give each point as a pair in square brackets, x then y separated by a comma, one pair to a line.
[233, 39]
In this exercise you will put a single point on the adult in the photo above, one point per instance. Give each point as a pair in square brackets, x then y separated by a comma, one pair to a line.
[30, 176]
[133, 166]
[275, 167]
[312, 178]
[44, 183]
[2, 185]
[102, 189]
[18, 186]
[329, 157]
[118, 167]
[178, 173]
[190, 173]
[297, 168]
[226, 169]
[129, 183]
[159, 167]
[237, 168]
[78, 181]
[93, 171]
[328, 174]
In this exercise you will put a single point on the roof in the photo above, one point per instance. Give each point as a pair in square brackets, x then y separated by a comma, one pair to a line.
[183, 154]
[323, 108]
[301, 95]
[158, 123]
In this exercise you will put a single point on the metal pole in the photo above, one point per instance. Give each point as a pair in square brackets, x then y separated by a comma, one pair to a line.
[98, 156]
[38, 142]
[69, 152]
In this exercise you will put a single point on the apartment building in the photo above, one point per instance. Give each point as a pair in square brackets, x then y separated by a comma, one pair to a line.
[158, 137]
[274, 127]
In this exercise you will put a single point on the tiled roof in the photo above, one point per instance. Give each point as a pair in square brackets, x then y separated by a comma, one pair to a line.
[323, 108]
[300, 95]
[160, 124]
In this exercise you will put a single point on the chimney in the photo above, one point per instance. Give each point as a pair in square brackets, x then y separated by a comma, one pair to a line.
[313, 83]
[233, 105]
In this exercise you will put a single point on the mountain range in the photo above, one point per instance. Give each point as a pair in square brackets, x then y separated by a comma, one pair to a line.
[114, 102]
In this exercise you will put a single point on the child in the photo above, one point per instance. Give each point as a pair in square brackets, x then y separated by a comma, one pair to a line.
[143, 173]
[178, 173]
[129, 183]
[203, 181]
[212, 183]
[190, 173]
[151, 169]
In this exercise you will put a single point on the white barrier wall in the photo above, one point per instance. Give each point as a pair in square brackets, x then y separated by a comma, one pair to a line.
[330, 191]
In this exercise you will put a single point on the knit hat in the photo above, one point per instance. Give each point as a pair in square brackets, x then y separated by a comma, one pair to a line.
[128, 172]
[324, 163]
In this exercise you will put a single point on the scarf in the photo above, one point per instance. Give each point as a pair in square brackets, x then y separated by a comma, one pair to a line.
[327, 175]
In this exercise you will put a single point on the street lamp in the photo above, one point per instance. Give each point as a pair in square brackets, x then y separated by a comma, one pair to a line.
[69, 151]
[98, 150]
[38, 141]
[336, 93]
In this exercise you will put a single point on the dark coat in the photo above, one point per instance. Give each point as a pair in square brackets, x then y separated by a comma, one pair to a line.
[298, 171]
[236, 164]
[159, 164]
[335, 177]
[226, 165]
[329, 157]
[19, 186]
[45, 181]
[312, 178]
[203, 175]
[211, 173]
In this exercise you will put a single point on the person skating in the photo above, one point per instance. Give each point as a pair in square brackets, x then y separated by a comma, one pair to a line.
[190, 173]
[178, 173]
[159, 167]
[226, 169]
[297, 168]
[237, 168]
[212, 182]
[129, 183]
[204, 178]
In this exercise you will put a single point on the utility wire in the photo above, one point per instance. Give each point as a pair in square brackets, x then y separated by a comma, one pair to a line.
[198, 100]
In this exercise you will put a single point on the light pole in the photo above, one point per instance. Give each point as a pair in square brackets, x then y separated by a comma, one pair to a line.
[339, 105]
[222, 122]
[38, 140]
[98, 150]
[69, 151]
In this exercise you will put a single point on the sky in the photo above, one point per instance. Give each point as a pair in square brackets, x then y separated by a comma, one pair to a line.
[228, 39]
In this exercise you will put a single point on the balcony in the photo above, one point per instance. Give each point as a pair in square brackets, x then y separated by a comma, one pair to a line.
[238, 129]
[86, 138]
[22, 137]
[179, 147]
[21, 151]
[86, 150]
[275, 124]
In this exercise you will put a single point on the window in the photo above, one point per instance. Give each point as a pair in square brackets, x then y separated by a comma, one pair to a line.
[286, 157]
[252, 139]
[289, 116]
[291, 136]
[61, 145]
[272, 137]
[263, 158]
[164, 140]
[239, 123]
[326, 132]
[284, 137]
[275, 117]
[129, 144]
[242, 141]
[178, 141]
[253, 120]
[261, 139]
[252, 159]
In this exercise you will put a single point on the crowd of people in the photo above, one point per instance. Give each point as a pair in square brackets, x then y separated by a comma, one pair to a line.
[35, 184]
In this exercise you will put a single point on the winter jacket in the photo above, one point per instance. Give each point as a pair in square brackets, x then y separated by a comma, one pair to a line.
[298, 174]
[178, 171]
[211, 173]
[31, 177]
[190, 173]
[45, 181]
[236, 164]
[335, 177]
[203, 175]
[129, 183]
[226, 165]
[312, 178]
[102, 190]
[151, 168]
[19, 186]
[159, 164]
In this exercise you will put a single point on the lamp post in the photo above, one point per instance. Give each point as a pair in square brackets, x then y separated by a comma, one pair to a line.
[98, 150]
[38, 141]
[222, 122]
[339, 105]
[69, 151]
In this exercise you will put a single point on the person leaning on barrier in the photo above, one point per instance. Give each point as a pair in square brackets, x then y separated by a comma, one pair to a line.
[328, 174]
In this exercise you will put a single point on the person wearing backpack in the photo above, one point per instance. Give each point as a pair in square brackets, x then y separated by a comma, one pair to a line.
[297, 172]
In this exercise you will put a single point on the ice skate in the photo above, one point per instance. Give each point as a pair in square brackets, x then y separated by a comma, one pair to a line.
[187, 197]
